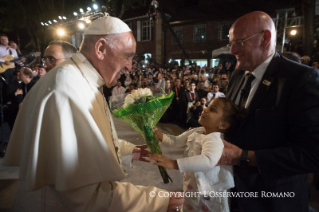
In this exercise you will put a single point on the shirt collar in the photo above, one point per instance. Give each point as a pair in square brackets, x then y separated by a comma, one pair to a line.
[261, 69]
[90, 73]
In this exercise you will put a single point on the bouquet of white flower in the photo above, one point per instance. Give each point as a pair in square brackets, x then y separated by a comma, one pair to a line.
[142, 110]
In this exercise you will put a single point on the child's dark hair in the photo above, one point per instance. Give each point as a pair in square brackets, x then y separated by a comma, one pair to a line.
[233, 115]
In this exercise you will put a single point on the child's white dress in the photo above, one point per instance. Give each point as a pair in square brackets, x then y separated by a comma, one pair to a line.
[201, 174]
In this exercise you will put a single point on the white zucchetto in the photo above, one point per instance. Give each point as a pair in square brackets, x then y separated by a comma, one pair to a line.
[106, 25]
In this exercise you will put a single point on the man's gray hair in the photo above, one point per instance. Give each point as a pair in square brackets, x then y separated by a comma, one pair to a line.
[67, 48]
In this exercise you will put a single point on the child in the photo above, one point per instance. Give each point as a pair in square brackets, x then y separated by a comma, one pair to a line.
[204, 148]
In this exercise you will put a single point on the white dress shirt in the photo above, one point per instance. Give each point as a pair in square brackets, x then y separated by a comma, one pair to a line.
[258, 73]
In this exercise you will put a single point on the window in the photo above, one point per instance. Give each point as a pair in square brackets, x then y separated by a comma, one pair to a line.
[200, 33]
[224, 30]
[199, 62]
[179, 34]
[214, 62]
[146, 30]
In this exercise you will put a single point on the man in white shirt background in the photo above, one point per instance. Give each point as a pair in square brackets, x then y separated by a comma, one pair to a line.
[119, 89]
[214, 93]
[5, 50]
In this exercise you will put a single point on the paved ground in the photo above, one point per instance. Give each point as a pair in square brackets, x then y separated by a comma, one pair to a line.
[140, 173]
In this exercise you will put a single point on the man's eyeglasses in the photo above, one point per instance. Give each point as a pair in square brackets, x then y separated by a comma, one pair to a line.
[50, 59]
[238, 43]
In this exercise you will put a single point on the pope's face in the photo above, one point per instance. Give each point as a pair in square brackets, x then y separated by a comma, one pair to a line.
[118, 58]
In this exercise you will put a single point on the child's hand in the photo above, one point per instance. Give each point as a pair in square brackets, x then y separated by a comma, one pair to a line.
[158, 134]
[163, 161]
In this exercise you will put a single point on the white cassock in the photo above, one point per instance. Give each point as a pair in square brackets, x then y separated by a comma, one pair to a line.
[64, 142]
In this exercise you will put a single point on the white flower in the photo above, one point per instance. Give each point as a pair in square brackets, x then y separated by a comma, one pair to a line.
[135, 94]
[148, 92]
[128, 100]
[142, 92]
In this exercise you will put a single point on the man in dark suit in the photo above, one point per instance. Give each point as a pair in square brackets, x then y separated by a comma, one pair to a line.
[277, 145]
[26, 77]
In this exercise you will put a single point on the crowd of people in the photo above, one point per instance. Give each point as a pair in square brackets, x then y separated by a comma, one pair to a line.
[194, 87]
[261, 139]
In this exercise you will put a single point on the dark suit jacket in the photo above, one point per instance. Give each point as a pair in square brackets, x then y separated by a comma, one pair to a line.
[283, 129]
[29, 86]
[12, 88]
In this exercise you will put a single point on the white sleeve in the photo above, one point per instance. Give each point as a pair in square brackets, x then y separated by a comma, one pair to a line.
[209, 97]
[221, 94]
[113, 92]
[212, 148]
[126, 149]
[177, 141]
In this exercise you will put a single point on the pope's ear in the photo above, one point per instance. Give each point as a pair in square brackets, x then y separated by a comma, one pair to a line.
[100, 48]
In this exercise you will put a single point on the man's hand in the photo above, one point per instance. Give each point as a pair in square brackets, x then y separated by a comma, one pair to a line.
[175, 201]
[7, 62]
[18, 92]
[231, 154]
[140, 153]
[164, 161]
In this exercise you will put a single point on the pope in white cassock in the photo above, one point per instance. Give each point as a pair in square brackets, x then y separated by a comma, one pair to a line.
[64, 139]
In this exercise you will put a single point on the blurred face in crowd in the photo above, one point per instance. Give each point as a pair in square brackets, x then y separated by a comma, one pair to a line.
[177, 82]
[13, 45]
[224, 76]
[24, 78]
[119, 84]
[186, 83]
[53, 56]
[203, 101]
[215, 88]
[41, 72]
[160, 76]
[168, 83]
[193, 87]
[315, 65]
[4, 40]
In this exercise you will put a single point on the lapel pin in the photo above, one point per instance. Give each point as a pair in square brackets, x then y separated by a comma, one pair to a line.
[266, 82]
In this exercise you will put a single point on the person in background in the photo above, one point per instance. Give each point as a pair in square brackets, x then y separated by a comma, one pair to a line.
[57, 52]
[277, 145]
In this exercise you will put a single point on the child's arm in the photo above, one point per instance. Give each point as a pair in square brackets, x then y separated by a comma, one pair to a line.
[171, 140]
[212, 148]
[164, 161]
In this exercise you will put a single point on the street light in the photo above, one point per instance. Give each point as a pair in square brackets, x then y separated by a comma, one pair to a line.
[293, 32]
[55, 21]
[95, 6]
[75, 14]
[60, 17]
[61, 32]
[81, 25]
[89, 9]
[64, 17]
[81, 10]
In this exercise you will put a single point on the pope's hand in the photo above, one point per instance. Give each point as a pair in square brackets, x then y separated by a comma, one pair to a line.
[141, 153]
